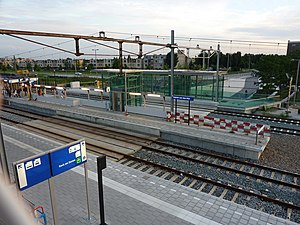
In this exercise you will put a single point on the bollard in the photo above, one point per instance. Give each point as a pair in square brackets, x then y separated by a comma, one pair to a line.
[101, 164]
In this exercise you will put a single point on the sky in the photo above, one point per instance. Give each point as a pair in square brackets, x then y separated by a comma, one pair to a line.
[255, 21]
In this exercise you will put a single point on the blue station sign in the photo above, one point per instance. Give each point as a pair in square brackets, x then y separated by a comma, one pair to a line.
[33, 171]
[187, 98]
[72, 155]
[38, 168]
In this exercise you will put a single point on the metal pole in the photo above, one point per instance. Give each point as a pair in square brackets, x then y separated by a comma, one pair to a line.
[249, 57]
[53, 201]
[54, 77]
[3, 158]
[120, 58]
[172, 71]
[196, 87]
[208, 56]
[86, 176]
[189, 112]
[296, 85]
[227, 61]
[289, 95]
[203, 60]
[96, 49]
[217, 75]
[126, 108]
[175, 110]
[141, 55]
[101, 164]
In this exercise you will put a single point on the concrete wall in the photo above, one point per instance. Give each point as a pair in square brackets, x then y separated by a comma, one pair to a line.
[97, 104]
[148, 111]
[213, 145]
[58, 100]
[33, 109]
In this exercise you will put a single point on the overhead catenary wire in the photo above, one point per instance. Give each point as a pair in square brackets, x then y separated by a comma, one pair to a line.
[180, 38]
[203, 38]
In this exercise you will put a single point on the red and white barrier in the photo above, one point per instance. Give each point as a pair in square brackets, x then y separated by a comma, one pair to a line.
[219, 123]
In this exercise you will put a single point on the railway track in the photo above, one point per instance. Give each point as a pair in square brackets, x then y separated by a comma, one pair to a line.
[264, 188]
[250, 170]
[277, 125]
[216, 187]
[103, 140]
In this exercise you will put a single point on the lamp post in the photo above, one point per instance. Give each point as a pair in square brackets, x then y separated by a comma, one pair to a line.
[296, 84]
[289, 93]
[95, 49]
[172, 71]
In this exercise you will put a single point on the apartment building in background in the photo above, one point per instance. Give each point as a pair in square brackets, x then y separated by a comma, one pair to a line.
[148, 62]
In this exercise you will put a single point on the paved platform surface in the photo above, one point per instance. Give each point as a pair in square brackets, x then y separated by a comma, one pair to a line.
[193, 131]
[131, 196]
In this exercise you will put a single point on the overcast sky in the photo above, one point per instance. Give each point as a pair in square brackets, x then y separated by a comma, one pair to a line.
[254, 20]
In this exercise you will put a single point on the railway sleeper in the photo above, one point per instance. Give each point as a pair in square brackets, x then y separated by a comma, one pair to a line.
[224, 193]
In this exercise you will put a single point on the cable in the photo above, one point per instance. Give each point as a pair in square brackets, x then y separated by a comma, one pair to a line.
[38, 49]
[278, 45]
[201, 38]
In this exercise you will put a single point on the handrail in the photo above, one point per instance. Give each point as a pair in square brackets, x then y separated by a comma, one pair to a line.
[258, 132]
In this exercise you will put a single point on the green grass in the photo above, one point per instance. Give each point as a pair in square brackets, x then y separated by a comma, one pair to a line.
[280, 116]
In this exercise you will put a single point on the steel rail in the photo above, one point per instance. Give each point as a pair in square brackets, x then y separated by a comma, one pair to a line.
[230, 159]
[218, 183]
[224, 168]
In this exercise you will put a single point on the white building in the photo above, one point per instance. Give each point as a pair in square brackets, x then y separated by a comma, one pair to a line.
[149, 62]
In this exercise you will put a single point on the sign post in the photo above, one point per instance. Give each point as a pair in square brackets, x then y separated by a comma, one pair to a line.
[188, 98]
[44, 166]
[53, 201]
[87, 190]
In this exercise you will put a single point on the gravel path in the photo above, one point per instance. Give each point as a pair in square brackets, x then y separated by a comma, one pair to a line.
[282, 152]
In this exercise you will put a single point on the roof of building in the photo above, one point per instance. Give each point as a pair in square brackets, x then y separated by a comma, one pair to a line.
[176, 72]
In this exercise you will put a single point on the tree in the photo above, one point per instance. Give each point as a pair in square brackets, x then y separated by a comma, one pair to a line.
[68, 63]
[90, 66]
[37, 68]
[168, 59]
[29, 66]
[3, 67]
[116, 63]
[272, 71]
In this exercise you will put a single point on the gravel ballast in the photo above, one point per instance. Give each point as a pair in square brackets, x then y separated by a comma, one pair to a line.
[282, 152]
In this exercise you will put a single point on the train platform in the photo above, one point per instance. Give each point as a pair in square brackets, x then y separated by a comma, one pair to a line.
[241, 145]
[131, 197]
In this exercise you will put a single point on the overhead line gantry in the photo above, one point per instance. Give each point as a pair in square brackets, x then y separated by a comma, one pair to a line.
[102, 37]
